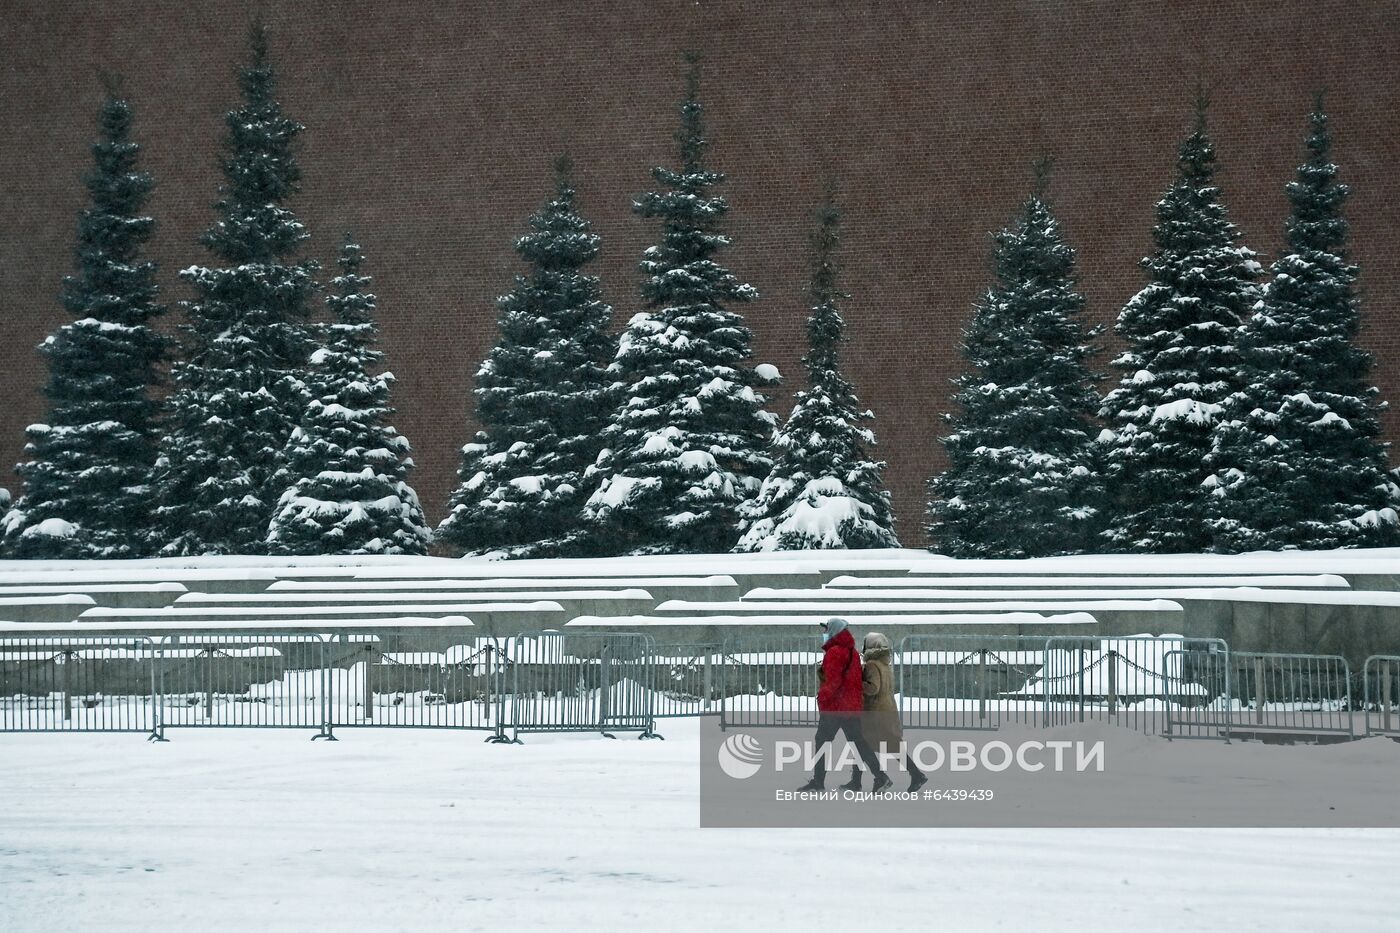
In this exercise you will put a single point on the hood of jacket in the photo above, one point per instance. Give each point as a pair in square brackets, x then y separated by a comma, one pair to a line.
[835, 627]
[877, 647]
[843, 638]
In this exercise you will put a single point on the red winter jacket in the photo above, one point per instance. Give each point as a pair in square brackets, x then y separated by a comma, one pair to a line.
[841, 690]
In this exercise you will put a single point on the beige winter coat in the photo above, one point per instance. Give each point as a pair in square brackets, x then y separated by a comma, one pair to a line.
[881, 715]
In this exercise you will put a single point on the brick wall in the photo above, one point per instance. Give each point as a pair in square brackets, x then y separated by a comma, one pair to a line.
[431, 128]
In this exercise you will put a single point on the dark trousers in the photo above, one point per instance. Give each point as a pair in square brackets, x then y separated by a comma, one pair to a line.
[849, 726]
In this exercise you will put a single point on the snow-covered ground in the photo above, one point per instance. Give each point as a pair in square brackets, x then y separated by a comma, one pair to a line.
[385, 831]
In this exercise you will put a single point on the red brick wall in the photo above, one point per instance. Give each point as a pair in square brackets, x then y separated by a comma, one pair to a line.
[431, 128]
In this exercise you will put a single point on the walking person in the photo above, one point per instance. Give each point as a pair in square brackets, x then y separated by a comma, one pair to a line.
[882, 727]
[840, 703]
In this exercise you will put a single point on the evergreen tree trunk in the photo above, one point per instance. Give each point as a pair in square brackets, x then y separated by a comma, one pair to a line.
[1182, 363]
[87, 479]
[823, 491]
[1297, 458]
[542, 399]
[686, 446]
[1022, 480]
[241, 388]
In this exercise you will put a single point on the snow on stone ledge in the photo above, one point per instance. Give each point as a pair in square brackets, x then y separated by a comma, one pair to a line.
[857, 619]
[906, 560]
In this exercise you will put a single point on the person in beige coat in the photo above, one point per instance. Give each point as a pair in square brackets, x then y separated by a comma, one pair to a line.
[882, 727]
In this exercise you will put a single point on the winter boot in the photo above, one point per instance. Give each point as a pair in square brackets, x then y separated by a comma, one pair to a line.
[882, 783]
[854, 783]
[813, 784]
[918, 780]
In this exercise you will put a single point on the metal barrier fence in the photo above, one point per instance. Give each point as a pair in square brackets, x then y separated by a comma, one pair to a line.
[1308, 693]
[1164, 685]
[1201, 677]
[79, 684]
[1168, 685]
[769, 681]
[968, 681]
[1382, 693]
[684, 680]
[608, 682]
[244, 680]
[580, 682]
[371, 684]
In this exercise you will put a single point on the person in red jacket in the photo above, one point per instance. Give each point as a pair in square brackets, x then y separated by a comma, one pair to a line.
[840, 702]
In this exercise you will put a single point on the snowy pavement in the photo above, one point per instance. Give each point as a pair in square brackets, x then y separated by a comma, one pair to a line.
[383, 831]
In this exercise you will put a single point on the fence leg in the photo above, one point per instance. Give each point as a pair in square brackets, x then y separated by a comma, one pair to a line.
[1259, 691]
[982, 684]
[650, 731]
[209, 683]
[157, 695]
[515, 694]
[1385, 695]
[498, 737]
[646, 675]
[1229, 695]
[723, 684]
[327, 711]
[1349, 704]
[1112, 683]
[605, 691]
[1082, 662]
[708, 683]
[65, 685]
[1167, 687]
[368, 686]
[495, 676]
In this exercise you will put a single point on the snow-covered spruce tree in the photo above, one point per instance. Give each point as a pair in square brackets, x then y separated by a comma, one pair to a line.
[1181, 363]
[824, 490]
[240, 389]
[346, 468]
[1022, 479]
[1298, 462]
[687, 442]
[542, 398]
[6, 505]
[87, 479]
